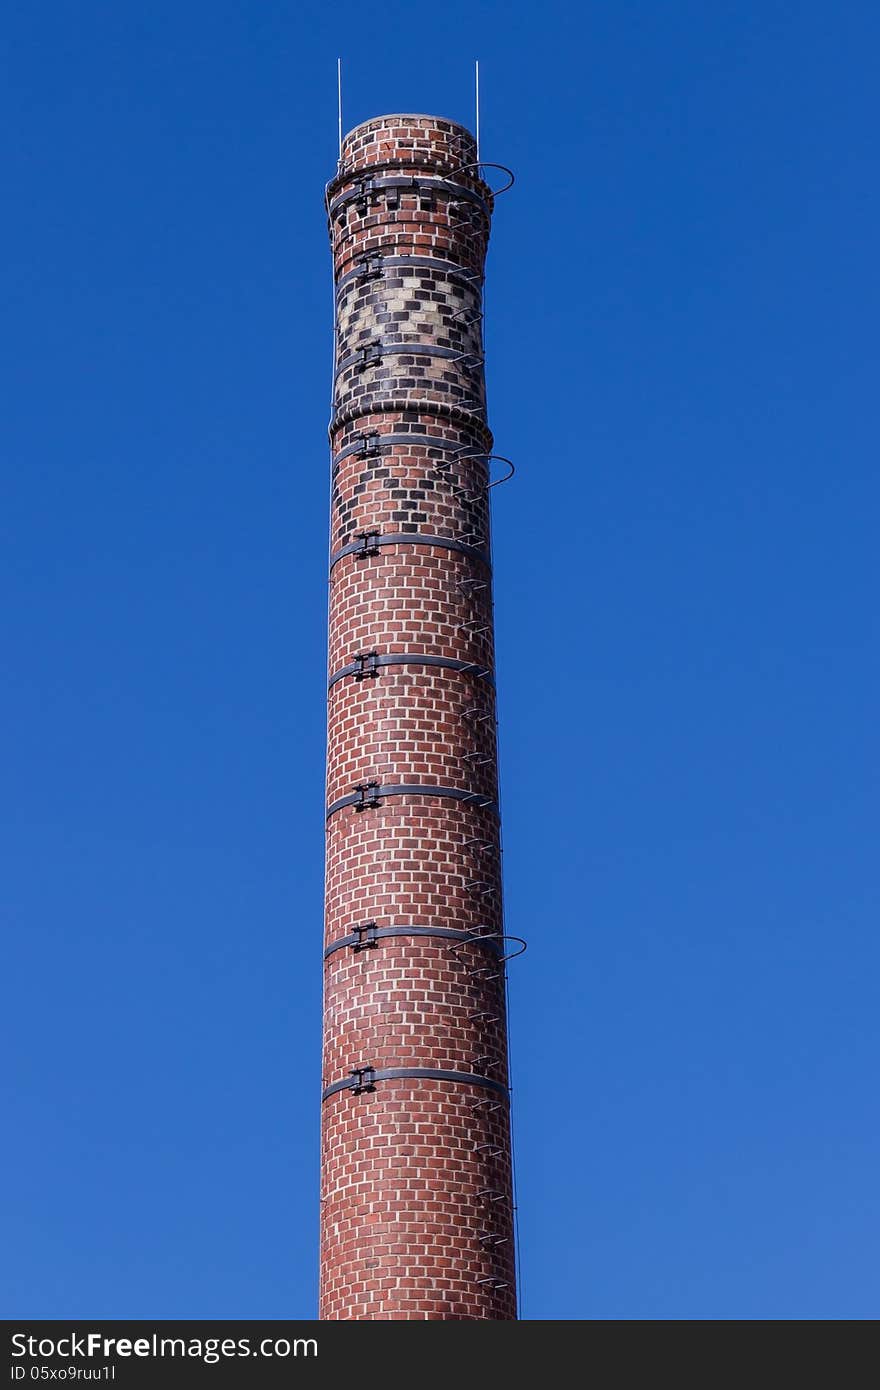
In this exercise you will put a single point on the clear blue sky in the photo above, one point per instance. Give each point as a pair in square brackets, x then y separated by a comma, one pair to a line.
[683, 317]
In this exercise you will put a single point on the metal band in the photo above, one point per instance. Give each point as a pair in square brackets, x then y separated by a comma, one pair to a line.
[380, 350]
[448, 933]
[364, 187]
[414, 789]
[361, 406]
[421, 441]
[470, 668]
[412, 538]
[375, 263]
[416, 1074]
[351, 172]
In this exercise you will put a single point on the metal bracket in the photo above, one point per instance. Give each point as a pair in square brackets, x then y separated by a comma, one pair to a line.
[367, 795]
[370, 266]
[367, 666]
[359, 194]
[460, 212]
[475, 715]
[369, 543]
[469, 404]
[485, 1059]
[362, 1080]
[469, 360]
[469, 587]
[339, 213]
[484, 973]
[474, 540]
[369, 354]
[371, 444]
[365, 936]
[483, 886]
[424, 191]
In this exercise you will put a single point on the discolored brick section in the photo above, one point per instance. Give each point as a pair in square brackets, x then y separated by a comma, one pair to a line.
[416, 1201]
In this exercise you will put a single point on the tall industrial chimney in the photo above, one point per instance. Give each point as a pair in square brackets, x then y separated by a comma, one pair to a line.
[416, 1202]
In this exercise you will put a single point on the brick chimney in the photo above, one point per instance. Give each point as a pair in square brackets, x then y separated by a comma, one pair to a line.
[416, 1189]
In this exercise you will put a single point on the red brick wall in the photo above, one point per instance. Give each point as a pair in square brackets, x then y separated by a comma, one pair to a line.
[416, 1196]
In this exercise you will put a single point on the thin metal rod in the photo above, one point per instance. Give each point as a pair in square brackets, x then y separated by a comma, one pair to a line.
[477, 95]
[339, 100]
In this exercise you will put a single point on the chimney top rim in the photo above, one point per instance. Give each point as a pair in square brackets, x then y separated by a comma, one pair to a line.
[407, 116]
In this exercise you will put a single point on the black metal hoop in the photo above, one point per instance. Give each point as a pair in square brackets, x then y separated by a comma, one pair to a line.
[358, 941]
[487, 164]
[473, 939]
[364, 1079]
[368, 544]
[470, 453]
[369, 795]
[468, 668]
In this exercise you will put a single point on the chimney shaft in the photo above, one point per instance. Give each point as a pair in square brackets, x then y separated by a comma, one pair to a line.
[416, 1202]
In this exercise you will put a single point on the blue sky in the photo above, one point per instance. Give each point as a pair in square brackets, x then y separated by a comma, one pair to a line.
[682, 336]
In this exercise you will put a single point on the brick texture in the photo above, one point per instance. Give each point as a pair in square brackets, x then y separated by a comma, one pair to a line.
[416, 1187]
